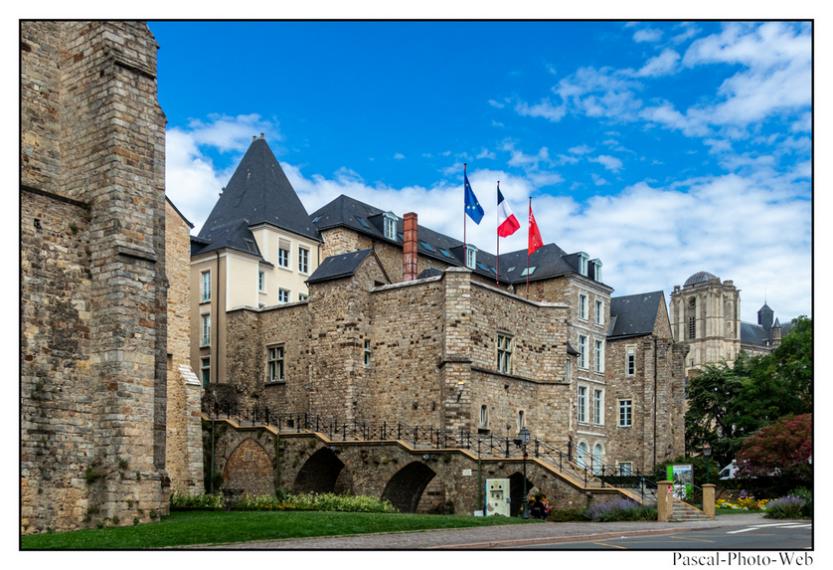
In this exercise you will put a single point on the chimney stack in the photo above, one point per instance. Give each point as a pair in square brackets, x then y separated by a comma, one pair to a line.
[409, 247]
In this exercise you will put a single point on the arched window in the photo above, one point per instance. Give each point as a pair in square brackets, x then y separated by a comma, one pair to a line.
[692, 326]
[598, 458]
[521, 420]
[484, 416]
[581, 454]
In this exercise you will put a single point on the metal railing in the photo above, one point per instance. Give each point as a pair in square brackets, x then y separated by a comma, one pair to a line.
[483, 445]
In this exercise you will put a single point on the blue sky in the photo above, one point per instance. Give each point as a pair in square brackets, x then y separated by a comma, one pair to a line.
[663, 148]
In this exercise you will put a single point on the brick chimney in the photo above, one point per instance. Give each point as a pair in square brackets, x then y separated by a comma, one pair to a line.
[409, 247]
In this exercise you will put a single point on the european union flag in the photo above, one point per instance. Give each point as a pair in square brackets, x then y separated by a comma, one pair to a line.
[473, 208]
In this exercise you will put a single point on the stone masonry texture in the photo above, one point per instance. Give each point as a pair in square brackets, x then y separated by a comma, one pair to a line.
[93, 287]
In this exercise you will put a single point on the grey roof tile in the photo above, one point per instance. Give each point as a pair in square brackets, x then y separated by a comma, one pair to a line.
[258, 193]
[339, 266]
[635, 315]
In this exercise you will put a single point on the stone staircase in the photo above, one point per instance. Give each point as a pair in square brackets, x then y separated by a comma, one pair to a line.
[682, 511]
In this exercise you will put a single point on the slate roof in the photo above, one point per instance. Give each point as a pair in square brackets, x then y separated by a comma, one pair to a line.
[549, 261]
[634, 315]
[258, 193]
[339, 266]
[751, 333]
[699, 277]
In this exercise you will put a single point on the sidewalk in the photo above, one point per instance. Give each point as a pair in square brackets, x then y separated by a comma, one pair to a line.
[493, 536]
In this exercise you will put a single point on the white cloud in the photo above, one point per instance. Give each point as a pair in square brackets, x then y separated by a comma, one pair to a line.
[544, 109]
[519, 158]
[611, 163]
[647, 35]
[496, 104]
[580, 149]
[486, 154]
[603, 92]
[598, 180]
[399, 156]
[662, 64]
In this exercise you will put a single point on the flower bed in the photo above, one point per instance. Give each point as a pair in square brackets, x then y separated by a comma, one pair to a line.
[284, 502]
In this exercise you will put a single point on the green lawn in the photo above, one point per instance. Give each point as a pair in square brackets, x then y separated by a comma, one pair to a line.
[214, 527]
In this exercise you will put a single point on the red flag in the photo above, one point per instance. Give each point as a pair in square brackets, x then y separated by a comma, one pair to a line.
[535, 240]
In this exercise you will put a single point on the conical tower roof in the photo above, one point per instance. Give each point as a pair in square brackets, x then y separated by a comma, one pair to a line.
[258, 192]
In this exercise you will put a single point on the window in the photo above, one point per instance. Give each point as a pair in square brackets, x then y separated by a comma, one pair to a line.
[205, 286]
[630, 361]
[484, 416]
[471, 256]
[582, 404]
[367, 352]
[582, 264]
[599, 312]
[626, 469]
[275, 364]
[205, 339]
[598, 458]
[598, 407]
[599, 355]
[504, 353]
[582, 350]
[625, 413]
[521, 420]
[528, 271]
[205, 370]
[303, 296]
[390, 226]
[692, 327]
[581, 454]
[283, 295]
[303, 260]
[597, 269]
[568, 370]
[582, 306]
[261, 281]
[283, 254]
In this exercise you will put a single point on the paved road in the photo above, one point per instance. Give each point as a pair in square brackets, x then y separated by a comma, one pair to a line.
[787, 535]
[729, 531]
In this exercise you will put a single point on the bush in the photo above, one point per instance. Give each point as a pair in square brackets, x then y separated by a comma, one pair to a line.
[567, 515]
[620, 510]
[180, 502]
[807, 495]
[789, 507]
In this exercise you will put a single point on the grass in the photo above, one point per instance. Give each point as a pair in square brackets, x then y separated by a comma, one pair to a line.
[200, 527]
[725, 511]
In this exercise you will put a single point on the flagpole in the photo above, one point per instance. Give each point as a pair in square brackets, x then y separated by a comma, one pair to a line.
[464, 210]
[497, 238]
[527, 249]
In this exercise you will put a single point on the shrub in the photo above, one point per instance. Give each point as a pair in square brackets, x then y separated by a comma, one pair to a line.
[789, 507]
[807, 495]
[620, 510]
[316, 502]
[568, 515]
[180, 502]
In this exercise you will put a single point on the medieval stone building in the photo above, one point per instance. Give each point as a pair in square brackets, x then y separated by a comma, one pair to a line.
[705, 315]
[97, 361]
[407, 325]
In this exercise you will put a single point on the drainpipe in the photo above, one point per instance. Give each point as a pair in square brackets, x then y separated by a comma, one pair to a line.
[217, 325]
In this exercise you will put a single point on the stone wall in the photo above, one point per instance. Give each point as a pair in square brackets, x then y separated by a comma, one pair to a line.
[183, 448]
[92, 131]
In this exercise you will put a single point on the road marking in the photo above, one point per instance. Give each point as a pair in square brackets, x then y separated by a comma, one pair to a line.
[611, 545]
[688, 538]
[742, 530]
[798, 525]
[775, 524]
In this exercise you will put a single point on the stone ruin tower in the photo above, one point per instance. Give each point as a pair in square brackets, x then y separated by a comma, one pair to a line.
[93, 288]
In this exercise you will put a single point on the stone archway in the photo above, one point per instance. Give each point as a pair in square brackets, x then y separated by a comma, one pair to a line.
[405, 488]
[249, 470]
[516, 493]
[323, 472]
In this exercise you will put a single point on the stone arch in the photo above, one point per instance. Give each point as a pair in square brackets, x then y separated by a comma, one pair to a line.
[249, 469]
[323, 472]
[516, 493]
[405, 488]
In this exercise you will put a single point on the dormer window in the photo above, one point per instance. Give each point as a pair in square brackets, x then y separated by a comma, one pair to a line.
[582, 263]
[389, 221]
[471, 256]
[597, 269]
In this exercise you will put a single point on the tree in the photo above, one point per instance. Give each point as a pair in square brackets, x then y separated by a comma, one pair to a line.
[782, 448]
[728, 404]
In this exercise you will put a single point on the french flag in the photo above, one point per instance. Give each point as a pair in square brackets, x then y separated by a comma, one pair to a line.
[507, 223]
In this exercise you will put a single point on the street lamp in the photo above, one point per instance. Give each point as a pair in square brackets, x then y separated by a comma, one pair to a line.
[522, 441]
